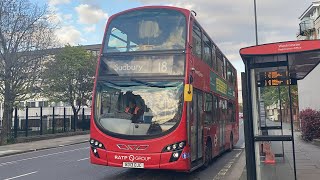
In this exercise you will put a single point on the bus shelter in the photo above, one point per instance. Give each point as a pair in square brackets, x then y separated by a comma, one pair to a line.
[269, 87]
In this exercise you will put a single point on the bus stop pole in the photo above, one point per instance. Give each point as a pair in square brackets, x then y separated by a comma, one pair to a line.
[291, 117]
[248, 125]
[255, 20]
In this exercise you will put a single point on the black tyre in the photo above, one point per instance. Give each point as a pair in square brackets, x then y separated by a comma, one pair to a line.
[208, 155]
[231, 143]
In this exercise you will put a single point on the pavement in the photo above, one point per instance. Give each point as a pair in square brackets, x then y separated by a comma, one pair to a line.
[307, 158]
[19, 148]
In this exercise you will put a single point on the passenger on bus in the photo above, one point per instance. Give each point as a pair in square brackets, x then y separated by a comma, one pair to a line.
[135, 111]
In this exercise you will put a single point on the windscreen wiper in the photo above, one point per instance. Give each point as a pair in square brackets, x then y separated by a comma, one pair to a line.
[149, 84]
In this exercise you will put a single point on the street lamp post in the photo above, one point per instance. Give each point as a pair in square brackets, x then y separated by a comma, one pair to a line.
[255, 21]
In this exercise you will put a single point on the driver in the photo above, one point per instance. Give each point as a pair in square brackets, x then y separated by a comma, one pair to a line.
[135, 111]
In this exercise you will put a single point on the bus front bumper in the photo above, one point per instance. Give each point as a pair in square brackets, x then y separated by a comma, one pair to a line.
[141, 160]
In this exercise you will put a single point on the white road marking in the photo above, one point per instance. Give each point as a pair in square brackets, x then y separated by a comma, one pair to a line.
[226, 168]
[82, 159]
[41, 150]
[15, 177]
[36, 157]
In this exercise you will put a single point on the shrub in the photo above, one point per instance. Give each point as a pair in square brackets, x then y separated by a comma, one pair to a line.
[310, 124]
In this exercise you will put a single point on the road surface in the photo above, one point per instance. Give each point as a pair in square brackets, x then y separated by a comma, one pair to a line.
[72, 162]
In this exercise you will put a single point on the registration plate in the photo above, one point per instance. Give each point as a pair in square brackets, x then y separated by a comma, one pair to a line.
[133, 165]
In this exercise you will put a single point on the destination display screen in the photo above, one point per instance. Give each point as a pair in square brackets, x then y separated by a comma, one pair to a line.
[143, 65]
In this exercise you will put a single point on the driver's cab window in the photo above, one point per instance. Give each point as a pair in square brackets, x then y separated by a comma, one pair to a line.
[129, 108]
[131, 105]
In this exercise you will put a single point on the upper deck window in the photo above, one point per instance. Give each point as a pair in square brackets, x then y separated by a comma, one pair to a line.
[207, 50]
[146, 30]
[196, 41]
[219, 63]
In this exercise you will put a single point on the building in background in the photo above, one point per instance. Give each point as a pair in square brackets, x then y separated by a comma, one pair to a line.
[309, 26]
[309, 29]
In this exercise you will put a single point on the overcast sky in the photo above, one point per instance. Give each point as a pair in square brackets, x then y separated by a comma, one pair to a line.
[230, 23]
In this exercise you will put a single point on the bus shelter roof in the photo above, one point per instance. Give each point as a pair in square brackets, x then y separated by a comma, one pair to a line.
[299, 57]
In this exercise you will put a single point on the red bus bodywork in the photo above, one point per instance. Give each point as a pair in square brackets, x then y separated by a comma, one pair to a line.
[115, 151]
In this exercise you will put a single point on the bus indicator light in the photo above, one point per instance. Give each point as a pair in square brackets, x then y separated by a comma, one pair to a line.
[185, 155]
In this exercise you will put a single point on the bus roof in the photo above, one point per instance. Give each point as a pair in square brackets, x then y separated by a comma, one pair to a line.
[300, 56]
[185, 11]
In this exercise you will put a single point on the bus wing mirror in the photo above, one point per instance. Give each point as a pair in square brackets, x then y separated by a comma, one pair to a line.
[191, 79]
[188, 92]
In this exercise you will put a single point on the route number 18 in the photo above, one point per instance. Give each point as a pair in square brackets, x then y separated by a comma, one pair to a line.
[163, 66]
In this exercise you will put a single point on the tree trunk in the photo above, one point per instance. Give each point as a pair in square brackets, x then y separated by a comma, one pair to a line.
[6, 122]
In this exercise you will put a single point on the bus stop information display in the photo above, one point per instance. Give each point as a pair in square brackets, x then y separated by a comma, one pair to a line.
[273, 79]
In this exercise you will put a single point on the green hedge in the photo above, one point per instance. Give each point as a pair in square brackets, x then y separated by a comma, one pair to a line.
[310, 124]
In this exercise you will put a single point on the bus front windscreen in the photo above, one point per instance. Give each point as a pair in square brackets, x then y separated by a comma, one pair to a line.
[146, 30]
[136, 108]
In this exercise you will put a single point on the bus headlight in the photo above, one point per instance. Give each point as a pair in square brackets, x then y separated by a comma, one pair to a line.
[95, 152]
[96, 144]
[175, 156]
[174, 147]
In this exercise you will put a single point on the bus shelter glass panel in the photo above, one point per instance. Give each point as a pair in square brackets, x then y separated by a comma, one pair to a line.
[272, 120]
[270, 165]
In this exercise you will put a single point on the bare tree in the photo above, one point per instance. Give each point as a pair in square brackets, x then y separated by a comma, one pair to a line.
[25, 30]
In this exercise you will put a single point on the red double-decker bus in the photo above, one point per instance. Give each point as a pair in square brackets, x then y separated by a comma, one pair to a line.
[165, 97]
